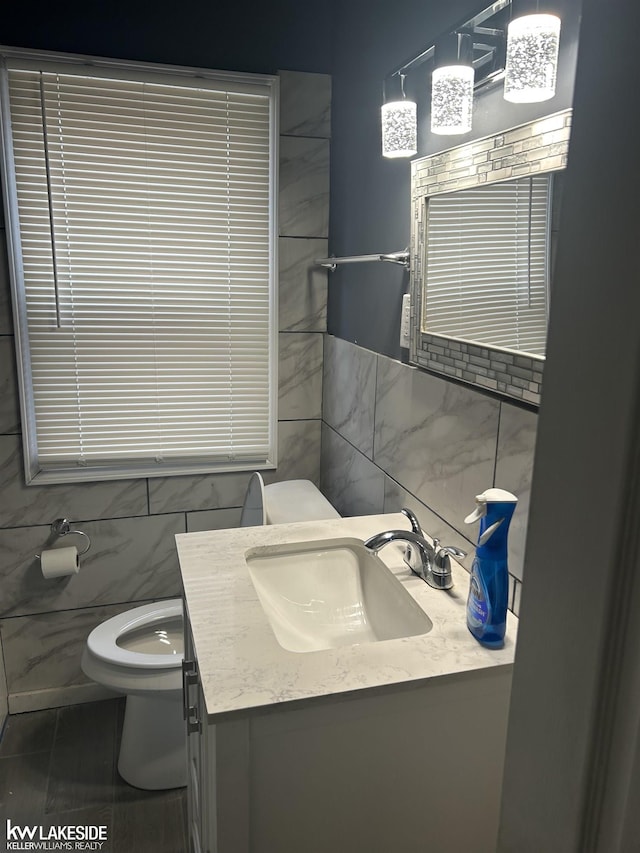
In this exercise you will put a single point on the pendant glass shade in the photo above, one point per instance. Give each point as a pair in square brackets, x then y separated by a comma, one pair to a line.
[451, 99]
[399, 129]
[532, 58]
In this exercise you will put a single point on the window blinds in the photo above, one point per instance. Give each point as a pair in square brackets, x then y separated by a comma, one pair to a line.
[487, 264]
[145, 222]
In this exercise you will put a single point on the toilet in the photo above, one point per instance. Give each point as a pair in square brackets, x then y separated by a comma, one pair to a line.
[139, 652]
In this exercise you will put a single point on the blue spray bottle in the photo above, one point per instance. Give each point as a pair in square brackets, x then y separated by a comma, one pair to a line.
[489, 587]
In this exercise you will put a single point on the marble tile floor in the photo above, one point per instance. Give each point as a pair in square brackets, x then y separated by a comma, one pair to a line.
[58, 768]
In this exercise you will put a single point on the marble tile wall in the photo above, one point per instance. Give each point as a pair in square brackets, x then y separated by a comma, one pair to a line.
[396, 436]
[132, 523]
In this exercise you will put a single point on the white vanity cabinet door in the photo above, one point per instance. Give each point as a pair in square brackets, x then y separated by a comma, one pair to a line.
[217, 771]
[197, 811]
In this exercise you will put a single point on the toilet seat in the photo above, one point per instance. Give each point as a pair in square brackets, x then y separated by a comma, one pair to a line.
[103, 640]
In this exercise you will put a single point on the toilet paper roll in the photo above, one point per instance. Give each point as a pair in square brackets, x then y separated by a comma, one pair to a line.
[59, 562]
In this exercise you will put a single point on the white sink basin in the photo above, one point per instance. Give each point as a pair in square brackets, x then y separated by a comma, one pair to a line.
[330, 593]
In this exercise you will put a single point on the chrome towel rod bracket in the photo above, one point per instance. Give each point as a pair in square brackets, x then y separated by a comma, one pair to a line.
[401, 258]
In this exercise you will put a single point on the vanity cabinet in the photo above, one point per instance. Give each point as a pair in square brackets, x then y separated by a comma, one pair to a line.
[410, 769]
[382, 746]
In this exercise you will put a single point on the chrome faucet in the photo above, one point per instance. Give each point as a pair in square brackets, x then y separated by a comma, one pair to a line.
[429, 562]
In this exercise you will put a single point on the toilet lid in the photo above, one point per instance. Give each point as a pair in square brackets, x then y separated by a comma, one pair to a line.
[253, 514]
[103, 640]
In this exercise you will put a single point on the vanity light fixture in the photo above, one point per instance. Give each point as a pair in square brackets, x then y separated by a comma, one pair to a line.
[400, 126]
[452, 86]
[532, 58]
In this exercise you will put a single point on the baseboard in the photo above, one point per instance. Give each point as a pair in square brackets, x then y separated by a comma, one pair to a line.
[57, 697]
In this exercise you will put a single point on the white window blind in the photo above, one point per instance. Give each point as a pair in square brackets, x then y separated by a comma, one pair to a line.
[145, 222]
[487, 264]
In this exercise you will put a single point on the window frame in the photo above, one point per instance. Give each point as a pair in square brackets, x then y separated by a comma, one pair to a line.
[10, 58]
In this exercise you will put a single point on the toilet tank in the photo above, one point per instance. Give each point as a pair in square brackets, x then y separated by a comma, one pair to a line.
[281, 503]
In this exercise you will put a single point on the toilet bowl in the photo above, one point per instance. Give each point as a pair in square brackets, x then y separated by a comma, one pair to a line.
[139, 652]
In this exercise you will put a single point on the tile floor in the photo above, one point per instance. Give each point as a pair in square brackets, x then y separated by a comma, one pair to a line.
[58, 767]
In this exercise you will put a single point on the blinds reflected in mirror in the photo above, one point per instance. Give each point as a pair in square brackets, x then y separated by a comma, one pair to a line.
[487, 264]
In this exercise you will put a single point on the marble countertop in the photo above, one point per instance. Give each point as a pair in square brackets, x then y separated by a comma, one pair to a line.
[242, 666]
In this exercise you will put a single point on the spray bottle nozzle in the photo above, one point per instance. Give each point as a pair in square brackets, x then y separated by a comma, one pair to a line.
[491, 496]
[479, 512]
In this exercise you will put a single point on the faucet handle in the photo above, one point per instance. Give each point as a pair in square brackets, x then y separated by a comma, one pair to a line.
[441, 560]
[415, 524]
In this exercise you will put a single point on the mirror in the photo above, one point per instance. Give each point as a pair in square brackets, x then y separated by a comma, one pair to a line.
[488, 263]
[482, 248]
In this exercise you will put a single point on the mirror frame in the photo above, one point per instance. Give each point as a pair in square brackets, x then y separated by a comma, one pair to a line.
[536, 147]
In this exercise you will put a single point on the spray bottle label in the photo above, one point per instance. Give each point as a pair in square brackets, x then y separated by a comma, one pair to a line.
[478, 607]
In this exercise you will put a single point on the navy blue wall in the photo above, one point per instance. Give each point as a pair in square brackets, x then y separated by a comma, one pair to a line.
[370, 195]
[247, 35]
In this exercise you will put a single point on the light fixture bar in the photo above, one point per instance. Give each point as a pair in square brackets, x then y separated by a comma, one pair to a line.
[471, 26]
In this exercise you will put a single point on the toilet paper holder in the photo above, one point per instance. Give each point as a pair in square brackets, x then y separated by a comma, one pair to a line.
[62, 527]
